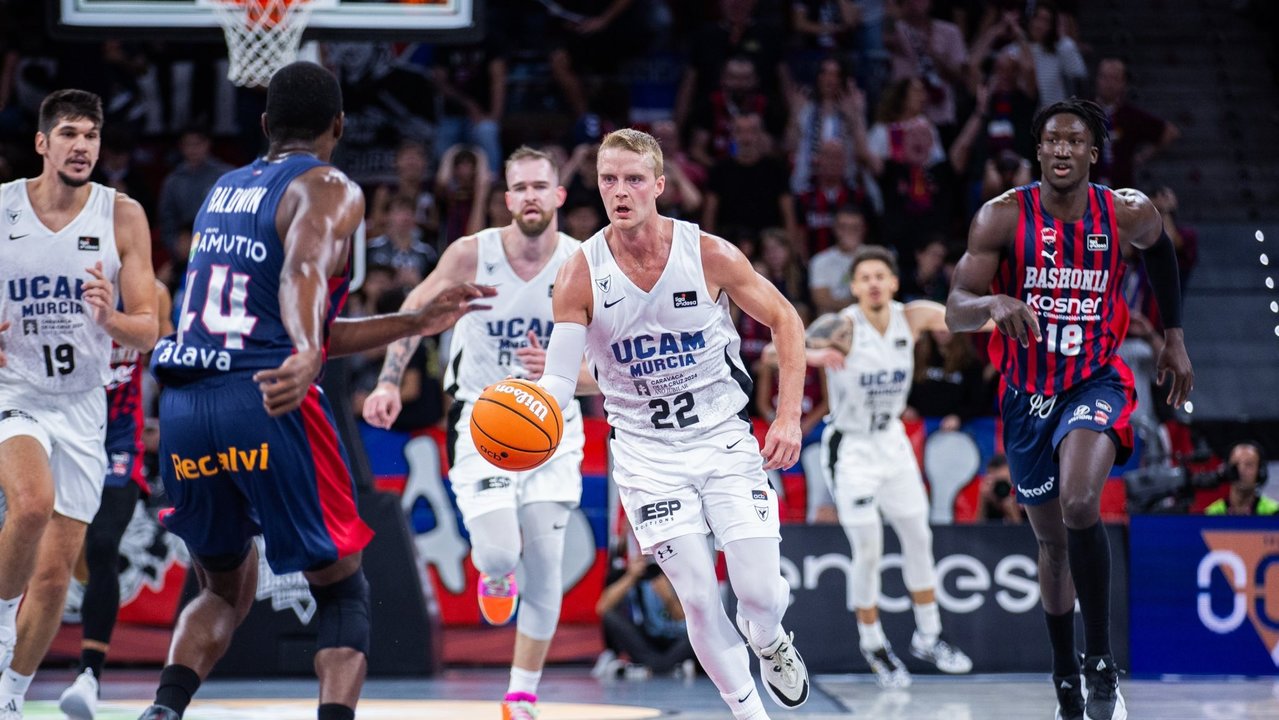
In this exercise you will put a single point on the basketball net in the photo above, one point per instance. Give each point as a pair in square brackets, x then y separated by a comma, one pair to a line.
[262, 36]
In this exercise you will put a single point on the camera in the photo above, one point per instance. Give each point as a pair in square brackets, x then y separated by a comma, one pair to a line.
[1002, 489]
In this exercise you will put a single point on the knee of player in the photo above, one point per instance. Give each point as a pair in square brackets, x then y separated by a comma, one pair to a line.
[342, 613]
[50, 581]
[29, 510]
[1054, 553]
[1080, 510]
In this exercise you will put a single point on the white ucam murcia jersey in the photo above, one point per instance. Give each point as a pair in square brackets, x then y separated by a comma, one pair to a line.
[667, 360]
[484, 342]
[869, 393]
[52, 342]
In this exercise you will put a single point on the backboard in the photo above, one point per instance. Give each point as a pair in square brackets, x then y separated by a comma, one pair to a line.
[451, 20]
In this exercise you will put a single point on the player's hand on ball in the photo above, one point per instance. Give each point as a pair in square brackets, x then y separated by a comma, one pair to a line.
[532, 357]
[781, 444]
[449, 305]
[284, 388]
[99, 293]
[383, 405]
[1015, 319]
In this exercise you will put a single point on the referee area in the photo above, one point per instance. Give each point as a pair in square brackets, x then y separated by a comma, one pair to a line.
[1194, 598]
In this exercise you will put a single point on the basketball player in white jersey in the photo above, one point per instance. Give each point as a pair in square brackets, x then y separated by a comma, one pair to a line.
[512, 517]
[868, 350]
[647, 300]
[69, 244]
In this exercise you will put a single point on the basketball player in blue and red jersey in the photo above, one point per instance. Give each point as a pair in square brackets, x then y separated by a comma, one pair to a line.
[247, 439]
[124, 484]
[1045, 263]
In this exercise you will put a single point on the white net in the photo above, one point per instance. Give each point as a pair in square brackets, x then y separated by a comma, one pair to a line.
[262, 36]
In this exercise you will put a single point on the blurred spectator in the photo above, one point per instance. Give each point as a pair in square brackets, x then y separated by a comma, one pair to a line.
[582, 221]
[738, 94]
[594, 36]
[1135, 135]
[738, 31]
[1005, 38]
[471, 82]
[816, 207]
[378, 280]
[185, 188]
[748, 190]
[1008, 110]
[579, 178]
[950, 382]
[1060, 71]
[928, 280]
[824, 25]
[901, 107]
[933, 51]
[410, 181]
[828, 271]
[462, 185]
[918, 195]
[813, 405]
[496, 213]
[1004, 172]
[835, 111]
[1246, 472]
[685, 177]
[1184, 237]
[115, 167]
[778, 263]
[997, 502]
[642, 620]
[402, 246]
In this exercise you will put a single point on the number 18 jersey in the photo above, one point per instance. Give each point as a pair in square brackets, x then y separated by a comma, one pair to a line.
[1071, 276]
[230, 317]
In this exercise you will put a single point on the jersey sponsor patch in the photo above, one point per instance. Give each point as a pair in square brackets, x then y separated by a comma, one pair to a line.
[605, 283]
[16, 415]
[1104, 406]
[89, 243]
[686, 298]
[900, 342]
[758, 495]
[1098, 242]
[494, 483]
[30, 326]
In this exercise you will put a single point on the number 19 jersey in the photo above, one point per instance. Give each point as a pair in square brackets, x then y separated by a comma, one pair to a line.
[668, 360]
[230, 318]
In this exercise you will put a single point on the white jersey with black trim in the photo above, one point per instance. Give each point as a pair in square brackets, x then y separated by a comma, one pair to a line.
[668, 360]
[868, 394]
[53, 342]
[482, 350]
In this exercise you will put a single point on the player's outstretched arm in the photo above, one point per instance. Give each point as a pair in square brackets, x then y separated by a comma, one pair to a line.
[320, 211]
[969, 305]
[571, 304]
[728, 270]
[925, 315]
[137, 326]
[1141, 226]
[384, 404]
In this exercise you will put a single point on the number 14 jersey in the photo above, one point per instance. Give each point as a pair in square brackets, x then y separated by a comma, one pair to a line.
[230, 310]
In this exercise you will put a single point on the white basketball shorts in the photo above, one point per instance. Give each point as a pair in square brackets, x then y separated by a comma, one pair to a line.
[482, 487]
[713, 482]
[869, 474]
[72, 428]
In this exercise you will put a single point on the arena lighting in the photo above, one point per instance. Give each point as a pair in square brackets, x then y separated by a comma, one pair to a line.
[1261, 237]
[1190, 407]
[1274, 306]
[1270, 283]
[1265, 260]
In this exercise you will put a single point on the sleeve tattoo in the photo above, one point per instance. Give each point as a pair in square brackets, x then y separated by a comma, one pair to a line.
[829, 330]
[397, 358]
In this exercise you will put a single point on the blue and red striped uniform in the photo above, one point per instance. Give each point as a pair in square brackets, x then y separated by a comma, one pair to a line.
[1070, 274]
[232, 470]
[124, 420]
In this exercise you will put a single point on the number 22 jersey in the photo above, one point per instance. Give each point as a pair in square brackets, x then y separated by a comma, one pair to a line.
[1071, 276]
[230, 317]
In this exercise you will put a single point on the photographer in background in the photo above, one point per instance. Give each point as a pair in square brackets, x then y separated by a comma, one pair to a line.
[1246, 472]
[644, 621]
[996, 502]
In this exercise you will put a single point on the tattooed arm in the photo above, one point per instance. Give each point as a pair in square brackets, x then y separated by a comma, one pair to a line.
[827, 341]
[458, 262]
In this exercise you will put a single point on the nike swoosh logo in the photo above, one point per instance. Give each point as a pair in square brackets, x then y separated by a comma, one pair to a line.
[561, 526]
[747, 696]
[608, 304]
[730, 447]
[17, 237]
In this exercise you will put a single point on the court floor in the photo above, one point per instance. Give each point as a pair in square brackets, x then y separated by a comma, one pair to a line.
[571, 694]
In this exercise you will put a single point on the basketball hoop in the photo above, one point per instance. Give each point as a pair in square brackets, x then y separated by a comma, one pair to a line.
[262, 36]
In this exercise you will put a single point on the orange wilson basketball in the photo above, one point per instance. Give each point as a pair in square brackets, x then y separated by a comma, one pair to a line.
[516, 425]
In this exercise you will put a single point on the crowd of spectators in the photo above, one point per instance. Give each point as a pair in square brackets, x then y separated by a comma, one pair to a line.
[799, 130]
